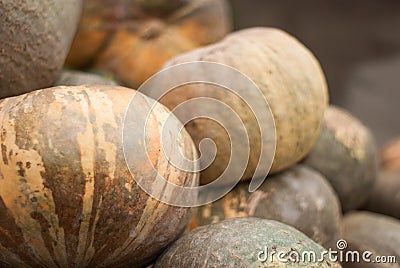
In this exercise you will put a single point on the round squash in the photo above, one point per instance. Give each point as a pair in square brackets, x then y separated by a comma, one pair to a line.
[35, 37]
[299, 197]
[241, 243]
[345, 154]
[390, 155]
[133, 39]
[78, 78]
[67, 198]
[365, 231]
[385, 194]
[289, 77]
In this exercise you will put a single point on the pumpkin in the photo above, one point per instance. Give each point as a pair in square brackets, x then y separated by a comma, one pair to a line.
[390, 155]
[35, 40]
[133, 39]
[78, 78]
[289, 78]
[67, 197]
[379, 234]
[385, 194]
[345, 154]
[299, 197]
[242, 242]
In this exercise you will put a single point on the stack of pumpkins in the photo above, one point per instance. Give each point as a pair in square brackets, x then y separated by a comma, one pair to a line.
[68, 197]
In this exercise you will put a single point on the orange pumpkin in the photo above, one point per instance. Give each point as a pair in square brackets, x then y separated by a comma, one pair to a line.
[67, 198]
[390, 155]
[133, 39]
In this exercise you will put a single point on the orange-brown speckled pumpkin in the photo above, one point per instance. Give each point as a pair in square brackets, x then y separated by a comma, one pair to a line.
[133, 39]
[289, 77]
[67, 198]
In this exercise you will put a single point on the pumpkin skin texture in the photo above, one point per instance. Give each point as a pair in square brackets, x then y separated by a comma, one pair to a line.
[133, 39]
[299, 197]
[379, 234]
[390, 155]
[289, 77]
[78, 78]
[385, 194]
[35, 37]
[345, 154]
[67, 198]
[236, 243]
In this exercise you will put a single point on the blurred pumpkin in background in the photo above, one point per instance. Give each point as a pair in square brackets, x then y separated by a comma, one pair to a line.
[132, 39]
[390, 155]
[385, 194]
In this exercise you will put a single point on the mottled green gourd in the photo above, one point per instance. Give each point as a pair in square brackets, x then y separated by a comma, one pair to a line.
[345, 154]
[237, 243]
[299, 196]
[35, 37]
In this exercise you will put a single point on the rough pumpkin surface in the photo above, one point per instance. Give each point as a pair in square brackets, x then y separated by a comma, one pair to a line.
[379, 234]
[289, 77]
[299, 197]
[133, 39]
[35, 37]
[236, 243]
[385, 194]
[345, 154]
[67, 198]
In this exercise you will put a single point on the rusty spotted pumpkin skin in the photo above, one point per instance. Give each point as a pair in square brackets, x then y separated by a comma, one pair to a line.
[390, 155]
[345, 154]
[133, 39]
[67, 198]
[289, 77]
[35, 37]
[299, 197]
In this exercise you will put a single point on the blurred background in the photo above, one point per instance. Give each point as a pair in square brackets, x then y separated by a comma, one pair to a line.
[357, 43]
